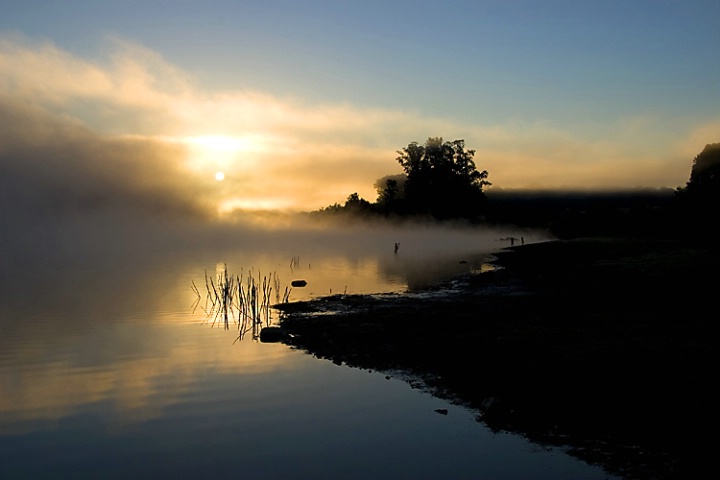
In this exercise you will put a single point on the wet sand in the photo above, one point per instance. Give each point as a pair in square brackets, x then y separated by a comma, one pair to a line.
[604, 346]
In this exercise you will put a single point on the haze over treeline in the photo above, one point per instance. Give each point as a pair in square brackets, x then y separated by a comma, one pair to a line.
[441, 182]
[53, 166]
[58, 176]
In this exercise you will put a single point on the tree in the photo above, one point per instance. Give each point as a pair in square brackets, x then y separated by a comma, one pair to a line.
[391, 191]
[442, 179]
[704, 184]
[699, 200]
[356, 204]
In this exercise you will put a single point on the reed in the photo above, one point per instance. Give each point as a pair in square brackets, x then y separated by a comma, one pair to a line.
[244, 300]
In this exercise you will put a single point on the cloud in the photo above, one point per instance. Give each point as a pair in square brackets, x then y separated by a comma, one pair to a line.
[126, 127]
[58, 165]
[631, 153]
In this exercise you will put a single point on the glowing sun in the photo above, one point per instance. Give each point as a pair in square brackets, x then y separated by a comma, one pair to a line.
[219, 176]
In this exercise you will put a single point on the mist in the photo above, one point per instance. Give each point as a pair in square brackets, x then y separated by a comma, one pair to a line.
[70, 197]
[53, 165]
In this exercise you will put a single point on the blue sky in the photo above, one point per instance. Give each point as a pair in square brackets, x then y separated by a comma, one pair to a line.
[301, 103]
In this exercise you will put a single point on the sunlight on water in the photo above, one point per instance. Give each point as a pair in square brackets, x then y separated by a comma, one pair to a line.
[109, 366]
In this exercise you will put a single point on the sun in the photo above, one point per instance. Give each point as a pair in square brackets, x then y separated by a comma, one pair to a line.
[222, 153]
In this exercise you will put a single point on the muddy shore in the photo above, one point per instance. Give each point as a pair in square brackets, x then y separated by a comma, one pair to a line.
[605, 347]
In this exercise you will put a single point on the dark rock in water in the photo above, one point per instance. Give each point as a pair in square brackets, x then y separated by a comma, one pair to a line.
[271, 334]
[441, 411]
[298, 283]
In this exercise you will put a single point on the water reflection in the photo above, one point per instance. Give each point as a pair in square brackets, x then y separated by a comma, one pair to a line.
[83, 325]
[108, 368]
[244, 300]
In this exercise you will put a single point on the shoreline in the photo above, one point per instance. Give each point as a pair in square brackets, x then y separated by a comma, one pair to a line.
[601, 346]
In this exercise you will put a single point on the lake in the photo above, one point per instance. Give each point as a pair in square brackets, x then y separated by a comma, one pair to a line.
[112, 367]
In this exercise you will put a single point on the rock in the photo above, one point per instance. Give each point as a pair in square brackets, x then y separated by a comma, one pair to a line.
[271, 334]
[298, 283]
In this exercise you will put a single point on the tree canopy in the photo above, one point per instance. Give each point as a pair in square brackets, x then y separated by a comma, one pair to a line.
[704, 184]
[441, 180]
[700, 198]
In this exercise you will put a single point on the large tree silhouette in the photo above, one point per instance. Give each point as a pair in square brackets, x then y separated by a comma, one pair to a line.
[699, 200]
[703, 188]
[442, 180]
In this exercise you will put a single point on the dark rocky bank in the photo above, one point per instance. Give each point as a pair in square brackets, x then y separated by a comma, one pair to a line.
[606, 347]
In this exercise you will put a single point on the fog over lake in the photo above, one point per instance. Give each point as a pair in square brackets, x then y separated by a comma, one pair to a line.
[112, 367]
[109, 369]
[159, 165]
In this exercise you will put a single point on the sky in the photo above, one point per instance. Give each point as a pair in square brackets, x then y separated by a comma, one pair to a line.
[301, 103]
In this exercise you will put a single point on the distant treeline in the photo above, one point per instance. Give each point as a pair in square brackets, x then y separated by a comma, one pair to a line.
[585, 213]
[442, 183]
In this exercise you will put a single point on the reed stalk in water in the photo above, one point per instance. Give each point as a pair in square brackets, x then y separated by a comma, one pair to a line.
[243, 300]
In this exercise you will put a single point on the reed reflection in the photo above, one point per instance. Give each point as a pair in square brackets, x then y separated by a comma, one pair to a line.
[244, 300]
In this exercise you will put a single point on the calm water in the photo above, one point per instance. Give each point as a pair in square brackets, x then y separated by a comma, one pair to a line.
[110, 369]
